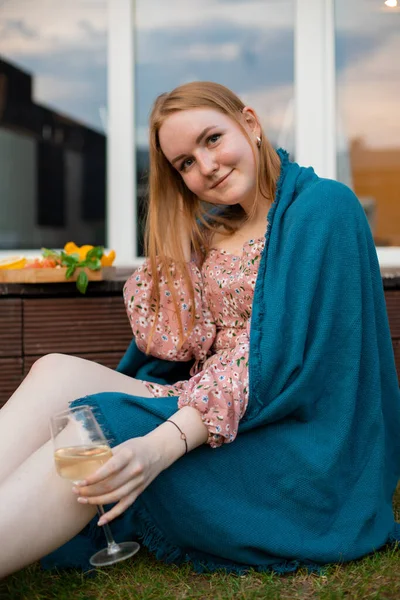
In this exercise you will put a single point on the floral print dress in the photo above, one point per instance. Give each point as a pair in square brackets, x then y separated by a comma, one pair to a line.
[224, 286]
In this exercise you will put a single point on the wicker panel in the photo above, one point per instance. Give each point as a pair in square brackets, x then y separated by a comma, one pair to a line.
[108, 359]
[10, 327]
[10, 377]
[392, 298]
[75, 325]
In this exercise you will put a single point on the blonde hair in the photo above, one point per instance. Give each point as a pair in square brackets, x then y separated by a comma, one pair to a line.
[167, 190]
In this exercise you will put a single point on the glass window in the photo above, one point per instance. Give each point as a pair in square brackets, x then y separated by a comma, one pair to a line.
[53, 69]
[245, 45]
[368, 132]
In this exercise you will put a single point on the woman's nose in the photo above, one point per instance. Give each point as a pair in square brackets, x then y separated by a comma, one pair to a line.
[207, 164]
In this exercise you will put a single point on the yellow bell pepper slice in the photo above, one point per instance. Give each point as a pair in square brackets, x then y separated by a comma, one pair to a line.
[108, 259]
[13, 262]
[83, 250]
[71, 248]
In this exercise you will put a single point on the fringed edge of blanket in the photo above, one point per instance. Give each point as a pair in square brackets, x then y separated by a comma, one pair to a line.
[154, 540]
[148, 534]
[157, 544]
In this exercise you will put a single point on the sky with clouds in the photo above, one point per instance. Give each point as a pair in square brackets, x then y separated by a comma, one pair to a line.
[244, 44]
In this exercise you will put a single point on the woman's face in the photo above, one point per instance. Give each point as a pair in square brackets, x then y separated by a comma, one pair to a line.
[212, 154]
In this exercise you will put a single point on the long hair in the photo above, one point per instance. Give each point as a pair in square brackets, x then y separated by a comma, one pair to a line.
[168, 195]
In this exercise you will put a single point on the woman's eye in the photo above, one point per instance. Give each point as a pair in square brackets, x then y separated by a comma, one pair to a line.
[214, 138]
[186, 163]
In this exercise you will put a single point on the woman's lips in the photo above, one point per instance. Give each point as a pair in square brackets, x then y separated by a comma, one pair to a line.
[224, 178]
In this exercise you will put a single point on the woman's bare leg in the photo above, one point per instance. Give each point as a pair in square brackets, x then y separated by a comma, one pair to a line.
[38, 512]
[53, 382]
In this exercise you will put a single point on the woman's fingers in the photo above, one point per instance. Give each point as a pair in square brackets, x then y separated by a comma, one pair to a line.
[119, 508]
[130, 473]
[113, 496]
[119, 460]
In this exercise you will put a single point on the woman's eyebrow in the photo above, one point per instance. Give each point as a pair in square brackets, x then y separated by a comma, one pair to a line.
[198, 140]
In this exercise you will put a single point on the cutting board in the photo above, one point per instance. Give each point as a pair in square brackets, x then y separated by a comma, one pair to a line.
[52, 275]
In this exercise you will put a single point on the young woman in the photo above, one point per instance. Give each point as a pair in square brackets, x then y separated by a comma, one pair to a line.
[286, 426]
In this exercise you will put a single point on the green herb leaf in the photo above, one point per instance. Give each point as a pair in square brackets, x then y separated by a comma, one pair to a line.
[82, 282]
[69, 259]
[96, 252]
[70, 271]
[94, 264]
[47, 253]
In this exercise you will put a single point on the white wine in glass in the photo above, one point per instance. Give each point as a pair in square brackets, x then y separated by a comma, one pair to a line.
[80, 448]
[78, 462]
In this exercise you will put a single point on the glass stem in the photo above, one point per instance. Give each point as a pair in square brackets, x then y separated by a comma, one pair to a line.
[112, 546]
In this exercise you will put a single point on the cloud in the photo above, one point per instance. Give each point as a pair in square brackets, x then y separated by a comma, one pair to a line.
[254, 14]
[368, 96]
[201, 52]
[68, 69]
[11, 27]
[81, 100]
[237, 57]
[91, 33]
[40, 27]
[353, 48]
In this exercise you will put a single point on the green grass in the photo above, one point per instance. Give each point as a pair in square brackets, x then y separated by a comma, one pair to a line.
[375, 577]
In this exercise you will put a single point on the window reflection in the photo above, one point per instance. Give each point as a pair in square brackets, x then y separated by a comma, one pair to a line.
[247, 46]
[368, 136]
[52, 138]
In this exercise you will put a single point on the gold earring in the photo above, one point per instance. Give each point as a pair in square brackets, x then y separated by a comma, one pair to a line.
[258, 142]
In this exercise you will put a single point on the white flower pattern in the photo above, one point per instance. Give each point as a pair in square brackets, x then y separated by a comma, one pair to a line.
[224, 289]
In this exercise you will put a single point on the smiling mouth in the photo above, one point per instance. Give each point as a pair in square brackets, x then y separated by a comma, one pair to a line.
[221, 180]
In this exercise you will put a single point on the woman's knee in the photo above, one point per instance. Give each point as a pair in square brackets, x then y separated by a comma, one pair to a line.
[50, 363]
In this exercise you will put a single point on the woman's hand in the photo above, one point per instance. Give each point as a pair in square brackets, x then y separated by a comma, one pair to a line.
[136, 462]
[134, 465]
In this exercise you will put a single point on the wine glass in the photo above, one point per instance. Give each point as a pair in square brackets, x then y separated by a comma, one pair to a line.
[80, 448]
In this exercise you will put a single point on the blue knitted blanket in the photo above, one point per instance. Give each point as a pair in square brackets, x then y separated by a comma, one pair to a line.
[309, 479]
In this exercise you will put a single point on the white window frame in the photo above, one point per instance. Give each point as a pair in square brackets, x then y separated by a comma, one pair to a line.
[315, 96]
[314, 85]
[121, 140]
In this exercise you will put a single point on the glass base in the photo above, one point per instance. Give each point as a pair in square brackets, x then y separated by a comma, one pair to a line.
[114, 553]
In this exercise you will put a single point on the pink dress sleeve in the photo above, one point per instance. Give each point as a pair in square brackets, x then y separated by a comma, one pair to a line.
[220, 392]
[141, 313]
